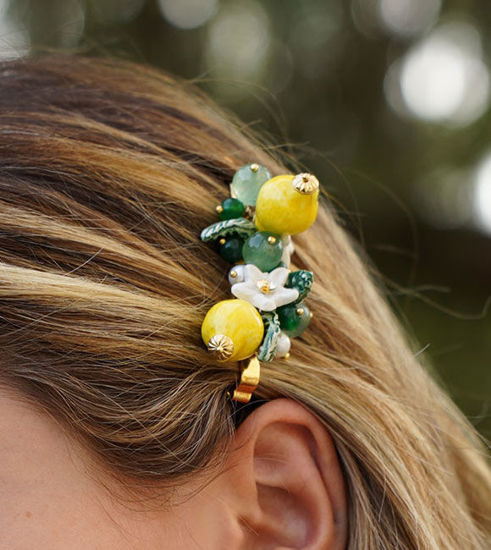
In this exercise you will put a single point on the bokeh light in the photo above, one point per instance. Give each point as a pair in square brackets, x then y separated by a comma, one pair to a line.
[408, 17]
[483, 194]
[238, 41]
[442, 78]
[188, 14]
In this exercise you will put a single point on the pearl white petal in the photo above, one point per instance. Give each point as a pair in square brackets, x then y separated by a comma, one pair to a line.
[264, 302]
[244, 291]
[278, 276]
[284, 296]
[253, 273]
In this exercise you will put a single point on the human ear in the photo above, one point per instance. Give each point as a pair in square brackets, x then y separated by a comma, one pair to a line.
[285, 480]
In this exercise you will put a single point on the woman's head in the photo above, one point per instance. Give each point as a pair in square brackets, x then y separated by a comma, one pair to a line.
[108, 173]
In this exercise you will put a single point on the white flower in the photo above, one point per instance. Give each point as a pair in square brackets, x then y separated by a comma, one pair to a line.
[264, 290]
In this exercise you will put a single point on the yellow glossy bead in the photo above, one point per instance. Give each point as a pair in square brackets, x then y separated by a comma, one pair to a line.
[240, 321]
[281, 209]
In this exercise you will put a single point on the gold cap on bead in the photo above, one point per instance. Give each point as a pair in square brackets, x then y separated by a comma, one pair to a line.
[221, 346]
[306, 184]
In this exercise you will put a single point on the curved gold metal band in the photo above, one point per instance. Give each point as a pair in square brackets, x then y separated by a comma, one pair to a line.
[249, 381]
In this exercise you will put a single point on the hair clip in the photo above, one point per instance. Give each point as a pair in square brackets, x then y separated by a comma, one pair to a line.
[254, 233]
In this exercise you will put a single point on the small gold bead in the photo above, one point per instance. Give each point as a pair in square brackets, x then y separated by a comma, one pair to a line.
[287, 355]
[233, 274]
[255, 167]
[271, 239]
[300, 311]
[219, 208]
[222, 241]
[311, 314]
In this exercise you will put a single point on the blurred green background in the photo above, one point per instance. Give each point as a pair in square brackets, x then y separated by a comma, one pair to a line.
[387, 101]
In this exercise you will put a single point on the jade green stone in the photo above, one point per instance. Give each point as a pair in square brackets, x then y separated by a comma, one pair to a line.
[231, 250]
[247, 182]
[232, 208]
[259, 251]
[291, 322]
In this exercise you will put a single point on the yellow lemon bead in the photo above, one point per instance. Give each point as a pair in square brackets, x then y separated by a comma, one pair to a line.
[287, 204]
[232, 330]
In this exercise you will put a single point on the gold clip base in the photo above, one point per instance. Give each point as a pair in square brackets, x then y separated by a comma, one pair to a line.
[249, 381]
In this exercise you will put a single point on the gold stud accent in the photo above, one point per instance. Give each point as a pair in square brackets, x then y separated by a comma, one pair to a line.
[219, 208]
[311, 314]
[272, 240]
[249, 381]
[233, 274]
[300, 311]
[222, 241]
[221, 346]
[287, 355]
[255, 167]
[306, 184]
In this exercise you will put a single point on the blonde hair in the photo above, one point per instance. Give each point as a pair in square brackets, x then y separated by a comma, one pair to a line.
[109, 171]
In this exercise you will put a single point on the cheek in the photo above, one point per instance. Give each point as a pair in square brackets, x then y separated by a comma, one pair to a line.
[47, 499]
[50, 500]
[46, 505]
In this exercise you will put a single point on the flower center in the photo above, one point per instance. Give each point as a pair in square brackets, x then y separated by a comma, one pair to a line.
[265, 286]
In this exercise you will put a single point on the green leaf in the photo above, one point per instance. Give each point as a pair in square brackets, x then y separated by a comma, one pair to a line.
[267, 349]
[302, 280]
[242, 227]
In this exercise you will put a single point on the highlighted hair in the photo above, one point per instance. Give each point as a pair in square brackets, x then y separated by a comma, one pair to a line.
[108, 173]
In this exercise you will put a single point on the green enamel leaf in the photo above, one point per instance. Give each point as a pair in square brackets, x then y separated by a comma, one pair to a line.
[242, 227]
[267, 349]
[301, 280]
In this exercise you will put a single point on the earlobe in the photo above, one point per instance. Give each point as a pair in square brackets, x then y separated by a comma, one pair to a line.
[288, 484]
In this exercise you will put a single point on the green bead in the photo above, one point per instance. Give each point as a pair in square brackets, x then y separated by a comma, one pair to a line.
[294, 319]
[263, 249]
[231, 249]
[231, 208]
[247, 182]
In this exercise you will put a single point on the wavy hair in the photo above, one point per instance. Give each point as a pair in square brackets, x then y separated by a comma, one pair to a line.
[108, 172]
